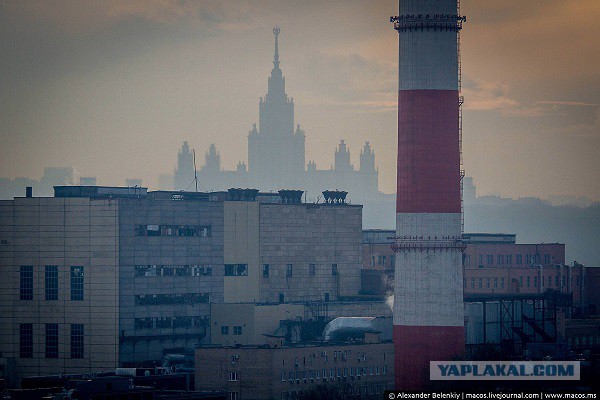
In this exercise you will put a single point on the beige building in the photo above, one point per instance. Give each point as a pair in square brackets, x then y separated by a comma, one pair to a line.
[54, 320]
[252, 372]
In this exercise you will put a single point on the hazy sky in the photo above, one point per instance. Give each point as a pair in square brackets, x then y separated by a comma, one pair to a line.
[114, 87]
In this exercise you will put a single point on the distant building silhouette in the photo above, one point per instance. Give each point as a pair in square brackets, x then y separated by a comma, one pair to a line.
[276, 155]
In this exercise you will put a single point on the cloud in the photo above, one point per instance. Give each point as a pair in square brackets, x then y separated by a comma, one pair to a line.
[76, 16]
[494, 96]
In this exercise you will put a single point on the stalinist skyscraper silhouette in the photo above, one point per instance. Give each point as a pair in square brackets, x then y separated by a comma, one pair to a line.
[275, 151]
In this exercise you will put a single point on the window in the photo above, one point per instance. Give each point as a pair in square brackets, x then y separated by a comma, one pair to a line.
[490, 259]
[224, 330]
[312, 269]
[556, 281]
[372, 261]
[495, 283]
[500, 259]
[326, 296]
[502, 283]
[509, 259]
[519, 259]
[51, 340]
[481, 260]
[487, 283]
[528, 281]
[467, 260]
[549, 281]
[289, 270]
[236, 269]
[472, 283]
[173, 230]
[26, 282]
[51, 281]
[265, 270]
[281, 297]
[26, 340]
[547, 258]
[334, 269]
[237, 330]
[233, 395]
[77, 283]
[479, 283]
[535, 282]
[233, 377]
[392, 261]
[76, 340]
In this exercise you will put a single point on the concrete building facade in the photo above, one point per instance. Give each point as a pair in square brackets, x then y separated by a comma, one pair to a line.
[100, 277]
[252, 372]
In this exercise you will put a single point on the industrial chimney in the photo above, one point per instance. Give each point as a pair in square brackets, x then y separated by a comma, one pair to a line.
[428, 292]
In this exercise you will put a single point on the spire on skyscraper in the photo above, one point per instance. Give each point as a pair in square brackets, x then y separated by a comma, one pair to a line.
[276, 31]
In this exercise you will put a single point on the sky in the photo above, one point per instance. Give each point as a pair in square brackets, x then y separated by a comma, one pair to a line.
[113, 88]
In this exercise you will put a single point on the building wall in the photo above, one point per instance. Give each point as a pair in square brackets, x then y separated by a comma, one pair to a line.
[267, 373]
[294, 237]
[241, 246]
[61, 233]
[167, 282]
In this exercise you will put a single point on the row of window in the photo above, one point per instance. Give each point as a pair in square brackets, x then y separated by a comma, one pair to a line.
[237, 330]
[173, 230]
[381, 260]
[173, 270]
[289, 270]
[51, 273]
[341, 392]
[171, 298]
[527, 281]
[507, 259]
[331, 373]
[584, 340]
[51, 347]
[171, 322]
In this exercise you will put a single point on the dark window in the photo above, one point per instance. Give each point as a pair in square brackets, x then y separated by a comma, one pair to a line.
[509, 259]
[224, 330]
[466, 260]
[76, 340]
[236, 269]
[237, 330]
[334, 269]
[528, 281]
[77, 283]
[519, 259]
[26, 282]
[312, 269]
[51, 340]
[51, 281]
[490, 259]
[164, 322]
[326, 296]
[265, 270]
[281, 297]
[26, 340]
[502, 283]
[289, 270]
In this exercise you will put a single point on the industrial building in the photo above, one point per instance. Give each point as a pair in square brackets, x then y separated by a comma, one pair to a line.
[100, 277]
[333, 366]
[492, 263]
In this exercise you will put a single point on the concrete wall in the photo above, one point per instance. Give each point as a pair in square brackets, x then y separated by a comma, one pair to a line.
[264, 373]
[241, 246]
[60, 232]
[172, 266]
[305, 234]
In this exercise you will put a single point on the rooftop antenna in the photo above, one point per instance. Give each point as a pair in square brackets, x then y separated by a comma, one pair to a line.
[195, 172]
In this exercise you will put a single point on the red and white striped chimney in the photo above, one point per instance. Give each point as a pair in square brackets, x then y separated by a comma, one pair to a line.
[428, 286]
